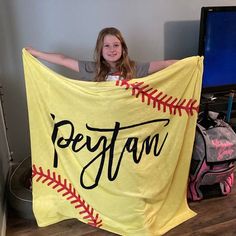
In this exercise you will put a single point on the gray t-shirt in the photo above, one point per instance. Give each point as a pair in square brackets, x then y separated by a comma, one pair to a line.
[87, 70]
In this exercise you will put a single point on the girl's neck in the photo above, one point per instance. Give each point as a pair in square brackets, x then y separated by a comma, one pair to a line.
[112, 65]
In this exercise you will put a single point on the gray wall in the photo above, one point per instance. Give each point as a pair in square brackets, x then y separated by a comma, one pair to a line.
[4, 166]
[153, 29]
[4, 150]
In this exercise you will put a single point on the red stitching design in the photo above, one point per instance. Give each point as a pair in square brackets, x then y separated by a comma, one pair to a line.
[66, 189]
[159, 99]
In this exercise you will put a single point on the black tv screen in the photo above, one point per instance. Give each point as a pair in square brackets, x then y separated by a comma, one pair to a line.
[217, 43]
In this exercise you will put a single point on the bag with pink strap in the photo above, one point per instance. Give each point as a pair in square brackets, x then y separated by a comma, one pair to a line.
[213, 159]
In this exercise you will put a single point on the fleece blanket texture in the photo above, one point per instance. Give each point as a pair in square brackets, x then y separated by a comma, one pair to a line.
[114, 155]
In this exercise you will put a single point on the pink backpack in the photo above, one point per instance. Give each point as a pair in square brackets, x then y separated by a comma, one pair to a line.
[213, 160]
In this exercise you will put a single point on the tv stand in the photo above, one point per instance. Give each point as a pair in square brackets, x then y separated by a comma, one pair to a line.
[221, 102]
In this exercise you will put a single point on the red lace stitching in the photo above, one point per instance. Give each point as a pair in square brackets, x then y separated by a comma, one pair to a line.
[158, 99]
[62, 186]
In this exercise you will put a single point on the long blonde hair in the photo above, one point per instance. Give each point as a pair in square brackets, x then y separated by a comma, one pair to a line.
[125, 66]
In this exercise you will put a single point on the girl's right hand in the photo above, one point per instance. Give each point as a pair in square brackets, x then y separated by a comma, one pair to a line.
[32, 51]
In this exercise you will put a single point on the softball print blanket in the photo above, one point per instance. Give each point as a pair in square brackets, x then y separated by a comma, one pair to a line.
[116, 154]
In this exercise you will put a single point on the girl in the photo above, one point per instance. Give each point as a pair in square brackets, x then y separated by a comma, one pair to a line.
[111, 60]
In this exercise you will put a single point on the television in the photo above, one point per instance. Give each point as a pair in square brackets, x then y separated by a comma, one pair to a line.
[217, 43]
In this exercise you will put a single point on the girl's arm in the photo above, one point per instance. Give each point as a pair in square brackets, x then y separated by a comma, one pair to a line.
[55, 58]
[159, 65]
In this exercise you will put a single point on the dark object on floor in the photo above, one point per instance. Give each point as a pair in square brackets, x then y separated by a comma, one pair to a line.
[19, 190]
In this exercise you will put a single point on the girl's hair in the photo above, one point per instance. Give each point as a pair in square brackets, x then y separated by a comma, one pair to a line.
[125, 66]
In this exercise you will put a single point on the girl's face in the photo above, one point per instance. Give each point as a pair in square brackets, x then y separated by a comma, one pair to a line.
[112, 49]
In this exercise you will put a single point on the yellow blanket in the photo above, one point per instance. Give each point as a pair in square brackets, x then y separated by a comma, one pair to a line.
[114, 155]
